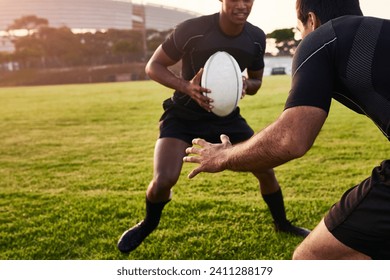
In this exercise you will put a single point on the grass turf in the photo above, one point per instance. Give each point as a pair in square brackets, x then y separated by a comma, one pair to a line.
[75, 161]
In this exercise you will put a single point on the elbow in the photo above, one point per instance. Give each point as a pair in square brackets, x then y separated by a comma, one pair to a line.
[300, 151]
[297, 130]
[253, 91]
[294, 147]
[253, 87]
[148, 69]
[152, 70]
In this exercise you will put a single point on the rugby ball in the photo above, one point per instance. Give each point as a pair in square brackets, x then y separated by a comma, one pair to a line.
[222, 75]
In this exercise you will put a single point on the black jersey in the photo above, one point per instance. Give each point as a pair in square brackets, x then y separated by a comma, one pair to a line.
[347, 59]
[195, 40]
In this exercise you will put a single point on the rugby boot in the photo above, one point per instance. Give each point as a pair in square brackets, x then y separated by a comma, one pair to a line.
[287, 227]
[133, 237]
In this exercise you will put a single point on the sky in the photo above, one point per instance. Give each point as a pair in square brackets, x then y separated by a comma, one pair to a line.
[271, 14]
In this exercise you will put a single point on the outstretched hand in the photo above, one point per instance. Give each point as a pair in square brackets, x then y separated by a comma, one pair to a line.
[211, 157]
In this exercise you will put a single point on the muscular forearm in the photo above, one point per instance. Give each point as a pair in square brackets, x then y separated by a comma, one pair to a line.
[164, 76]
[253, 81]
[289, 137]
[267, 149]
[157, 69]
[252, 86]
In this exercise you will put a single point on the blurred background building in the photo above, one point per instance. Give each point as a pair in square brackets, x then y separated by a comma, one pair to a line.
[92, 15]
[84, 41]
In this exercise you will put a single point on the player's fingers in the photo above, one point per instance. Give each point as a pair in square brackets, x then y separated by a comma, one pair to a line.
[205, 99]
[194, 172]
[199, 141]
[191, 159]
[192, 150]
[206, 90]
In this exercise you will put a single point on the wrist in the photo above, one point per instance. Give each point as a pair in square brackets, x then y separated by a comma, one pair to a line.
[183, 86]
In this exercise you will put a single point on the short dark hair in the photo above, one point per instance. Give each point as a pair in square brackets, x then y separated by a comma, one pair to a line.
[326, 10]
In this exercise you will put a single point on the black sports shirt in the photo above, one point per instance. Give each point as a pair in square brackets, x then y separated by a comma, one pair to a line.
[195, 40]
[347, 59]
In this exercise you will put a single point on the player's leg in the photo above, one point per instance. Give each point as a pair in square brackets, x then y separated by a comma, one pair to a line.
[168, 161]
[272, 195]
[238, 130]
[322, 245]
[357, 226]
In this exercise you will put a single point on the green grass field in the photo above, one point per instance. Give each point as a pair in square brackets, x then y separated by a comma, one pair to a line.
[75, 162]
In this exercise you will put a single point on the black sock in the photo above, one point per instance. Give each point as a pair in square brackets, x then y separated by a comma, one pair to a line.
[276, 206]
[153, 214]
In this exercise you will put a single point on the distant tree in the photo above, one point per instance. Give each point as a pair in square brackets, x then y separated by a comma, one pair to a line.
[286, 34]
[123, 48]
[124, 42]
[61, 47]
[29, 23]
[285, 40]
[28, 51]
[95, 47]
[5, 57]
[49, 47]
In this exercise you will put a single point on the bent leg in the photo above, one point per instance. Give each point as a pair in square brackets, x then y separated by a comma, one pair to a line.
[267, 181]
[273, 197]
[168, 162]
[322, 245]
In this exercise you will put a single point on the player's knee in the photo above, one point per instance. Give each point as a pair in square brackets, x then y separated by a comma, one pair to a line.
[158, 194]
[297, 255]
[165, 181]
[300, 253]
[265, 175]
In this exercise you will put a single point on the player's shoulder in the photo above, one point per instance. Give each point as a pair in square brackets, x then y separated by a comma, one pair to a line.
[316, 40]
[346, 23]
[254, 29]
[255, 32]
[197, 24]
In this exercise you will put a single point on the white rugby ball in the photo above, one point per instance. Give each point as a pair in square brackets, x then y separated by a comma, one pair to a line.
[222, 75]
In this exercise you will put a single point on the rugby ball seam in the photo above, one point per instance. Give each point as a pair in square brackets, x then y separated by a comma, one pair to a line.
[236, 81]
[234, 62]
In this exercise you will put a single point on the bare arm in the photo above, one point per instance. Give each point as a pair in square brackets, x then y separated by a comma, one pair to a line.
[253, 82]
[289, 137]
[157, 69]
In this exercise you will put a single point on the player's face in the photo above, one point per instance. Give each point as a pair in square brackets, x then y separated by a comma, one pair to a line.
[237, 11]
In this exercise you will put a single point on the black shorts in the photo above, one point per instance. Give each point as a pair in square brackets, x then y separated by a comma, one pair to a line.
[234, 126]
[361, 219]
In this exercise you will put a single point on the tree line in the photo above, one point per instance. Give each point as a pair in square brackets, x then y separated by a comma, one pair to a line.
[47, 47]
[43, 46]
